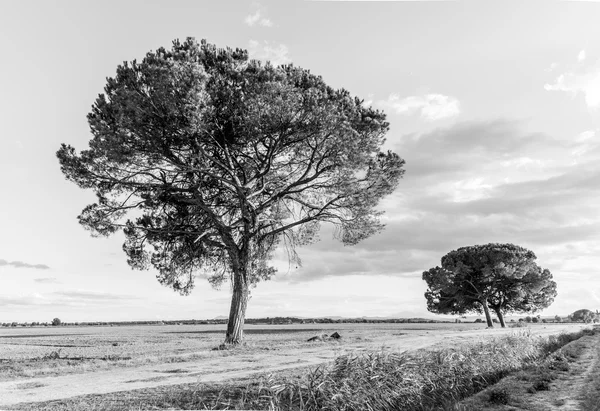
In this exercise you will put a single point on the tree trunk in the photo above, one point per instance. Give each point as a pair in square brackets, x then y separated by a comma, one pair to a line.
[500, 317]
[486, 310]
[237, 313]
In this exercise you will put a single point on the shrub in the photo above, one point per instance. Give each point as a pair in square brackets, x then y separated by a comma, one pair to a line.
[559, 363]
[53, 355]
[499, 396]
[541, 385]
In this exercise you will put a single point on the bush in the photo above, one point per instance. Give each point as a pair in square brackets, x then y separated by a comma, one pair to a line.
[541, 385]
[499, 396]
[559, 363]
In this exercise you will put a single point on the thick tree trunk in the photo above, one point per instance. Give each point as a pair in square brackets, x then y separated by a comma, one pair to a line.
[237, 313]
[486, 310]
[500, 317]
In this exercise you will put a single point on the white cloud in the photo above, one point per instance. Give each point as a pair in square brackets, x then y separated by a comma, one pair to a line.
[21, 264]
[520, 162]
[580, 79]
[276, 54]
[257, 18]
[431, 106]
[581, 56]
[552, 67]
[585, 136]
[369, 101]
[470, 189]
[584, 143]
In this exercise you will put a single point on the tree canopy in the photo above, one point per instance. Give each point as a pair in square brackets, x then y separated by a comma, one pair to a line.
[208, 161]
[584, 315]
[503, 277]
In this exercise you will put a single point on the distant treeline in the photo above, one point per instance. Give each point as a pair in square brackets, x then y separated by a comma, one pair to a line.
[578, 316]
[267, 321]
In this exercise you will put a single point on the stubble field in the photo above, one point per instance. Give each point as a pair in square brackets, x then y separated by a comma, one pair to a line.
[42, 364]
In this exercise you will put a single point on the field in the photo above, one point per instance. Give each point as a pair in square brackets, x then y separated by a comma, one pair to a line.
[51, 363]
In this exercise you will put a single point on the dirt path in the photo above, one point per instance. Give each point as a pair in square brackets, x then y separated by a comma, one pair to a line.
[230, 365]
[569, 383]
[565, 392]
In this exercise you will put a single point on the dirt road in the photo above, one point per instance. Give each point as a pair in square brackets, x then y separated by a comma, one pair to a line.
[571, 384]
[235, 365]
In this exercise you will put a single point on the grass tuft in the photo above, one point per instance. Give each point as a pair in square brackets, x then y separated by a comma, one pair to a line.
[499, 396]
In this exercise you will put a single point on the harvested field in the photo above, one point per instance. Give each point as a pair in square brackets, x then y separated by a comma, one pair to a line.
[46, 364]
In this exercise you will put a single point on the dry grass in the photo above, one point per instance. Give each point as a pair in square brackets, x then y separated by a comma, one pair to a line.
[415, 381]
[537, 387]
[245, 394]
[30, 355]
[422, 380]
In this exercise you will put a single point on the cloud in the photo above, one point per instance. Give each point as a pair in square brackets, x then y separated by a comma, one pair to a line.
[70, 298]
[585, 142]
[431, 107]
[267, 51]
[23, 300]
[47, 280]
[552, 67]
[21, 264]
[258, 19]
[457, 150]
[474, 183]
[522, 162]
[470, 189]
[582, 78]
[90, 295]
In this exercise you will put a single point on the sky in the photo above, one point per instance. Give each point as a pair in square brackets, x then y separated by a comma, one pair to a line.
[494, 105]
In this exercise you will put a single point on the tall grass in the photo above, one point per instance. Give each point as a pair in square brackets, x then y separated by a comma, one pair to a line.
[383, 380]
[424, 380]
